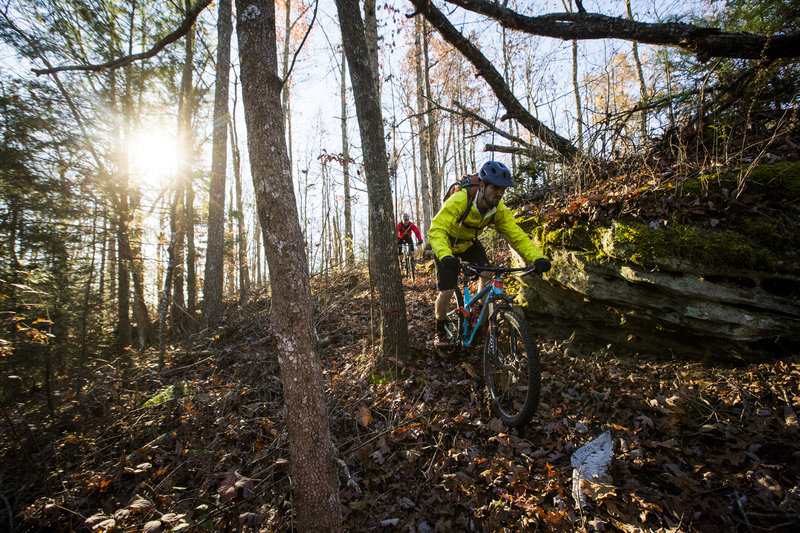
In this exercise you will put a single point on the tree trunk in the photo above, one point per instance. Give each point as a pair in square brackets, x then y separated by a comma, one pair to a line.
[103, 254]
[186, 110]
[166, 290]
[120, 187]
[112, 264]
[348, 216]
[421, 129]
[87, 303]
[257, 239]
[212, 285]
[124, 328]
[643, 94]
[177, 319]
[311, 450]
[575, 87]
[371, 34]
[436, 178]
[184, 250]
[394, 326]
[191, 258]
[241, 235]
[286, 96]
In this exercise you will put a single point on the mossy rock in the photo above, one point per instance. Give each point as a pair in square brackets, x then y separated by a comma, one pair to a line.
[691, 245]
[776, 182]
[758, 245]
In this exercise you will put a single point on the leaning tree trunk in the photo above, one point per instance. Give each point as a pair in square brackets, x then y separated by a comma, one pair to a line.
[394, 325]
[212, 285]
[311, 449]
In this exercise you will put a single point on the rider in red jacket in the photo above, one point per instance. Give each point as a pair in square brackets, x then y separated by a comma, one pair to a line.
[404, 229]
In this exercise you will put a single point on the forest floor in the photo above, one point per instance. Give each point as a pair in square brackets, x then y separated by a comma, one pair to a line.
[201, 444]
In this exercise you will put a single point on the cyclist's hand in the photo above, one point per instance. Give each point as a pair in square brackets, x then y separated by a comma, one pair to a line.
[450, 262]
[419, 243]
[542, 265]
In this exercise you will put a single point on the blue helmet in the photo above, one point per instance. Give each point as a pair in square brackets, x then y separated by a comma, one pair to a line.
[405, 216]
[496, 173]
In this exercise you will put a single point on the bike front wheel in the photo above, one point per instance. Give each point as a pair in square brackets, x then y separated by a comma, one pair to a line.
[410, 266]
[454, 322]
[512, 368]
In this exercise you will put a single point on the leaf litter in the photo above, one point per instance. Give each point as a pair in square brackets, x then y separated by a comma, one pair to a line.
[695, 448]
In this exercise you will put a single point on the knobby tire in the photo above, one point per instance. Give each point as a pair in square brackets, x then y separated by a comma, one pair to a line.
[512, 369]
[454, 321]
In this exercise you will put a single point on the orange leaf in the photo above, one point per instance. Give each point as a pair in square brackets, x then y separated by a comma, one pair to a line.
[366, 416]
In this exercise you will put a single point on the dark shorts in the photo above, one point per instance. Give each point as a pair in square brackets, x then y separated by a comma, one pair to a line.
[401, 240]
[447, 279]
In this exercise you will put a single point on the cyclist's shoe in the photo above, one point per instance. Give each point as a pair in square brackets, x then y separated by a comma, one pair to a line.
[441, 341]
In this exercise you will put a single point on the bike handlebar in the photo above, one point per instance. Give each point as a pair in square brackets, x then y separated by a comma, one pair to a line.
[477, 269]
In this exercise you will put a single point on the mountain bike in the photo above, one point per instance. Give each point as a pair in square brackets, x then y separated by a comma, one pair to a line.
[511, 365]
[407, 261]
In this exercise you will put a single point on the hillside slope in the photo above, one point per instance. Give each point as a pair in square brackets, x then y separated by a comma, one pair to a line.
[202, 443]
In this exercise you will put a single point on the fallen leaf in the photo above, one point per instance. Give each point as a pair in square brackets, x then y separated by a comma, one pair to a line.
[153, 526]
[366, 416]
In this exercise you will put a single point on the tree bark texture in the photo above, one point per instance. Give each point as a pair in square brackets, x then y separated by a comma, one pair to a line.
[212, 286]
[394, 325]
[371, 33]
[313, 466]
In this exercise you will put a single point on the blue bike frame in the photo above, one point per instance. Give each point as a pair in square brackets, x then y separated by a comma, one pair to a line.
[491, 291]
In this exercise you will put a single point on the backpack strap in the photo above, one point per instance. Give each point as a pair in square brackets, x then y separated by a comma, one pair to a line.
[470, 199]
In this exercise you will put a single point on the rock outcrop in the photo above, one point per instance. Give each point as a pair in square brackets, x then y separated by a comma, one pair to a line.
[685, 313]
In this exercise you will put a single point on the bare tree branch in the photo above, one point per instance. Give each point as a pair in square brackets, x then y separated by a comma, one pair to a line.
[464, 112]
[495, 80]
[703, 42]
[303, 41]
[527, 151]
[180, 31]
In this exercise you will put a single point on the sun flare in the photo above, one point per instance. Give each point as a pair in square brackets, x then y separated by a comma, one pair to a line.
[154, 157]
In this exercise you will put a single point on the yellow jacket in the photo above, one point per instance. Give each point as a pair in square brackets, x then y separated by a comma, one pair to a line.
[448, 237]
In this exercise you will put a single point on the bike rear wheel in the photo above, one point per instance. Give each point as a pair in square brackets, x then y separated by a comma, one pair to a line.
[512, 368]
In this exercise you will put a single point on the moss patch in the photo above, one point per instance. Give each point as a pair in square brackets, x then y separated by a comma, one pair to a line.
[648, 247]
[754, 246]
[777, 182]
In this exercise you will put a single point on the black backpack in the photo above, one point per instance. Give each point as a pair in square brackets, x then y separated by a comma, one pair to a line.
[470, 182]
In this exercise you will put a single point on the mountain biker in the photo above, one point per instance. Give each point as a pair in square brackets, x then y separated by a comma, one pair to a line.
[404, 229]
[454, 236]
